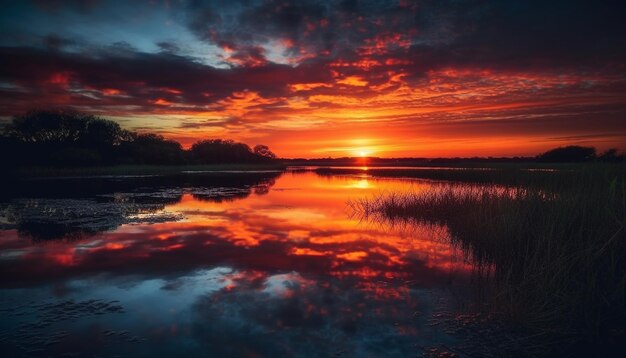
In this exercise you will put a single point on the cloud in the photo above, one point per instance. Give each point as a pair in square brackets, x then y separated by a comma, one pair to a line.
[328, 64]
[143, 78]
[490, 33]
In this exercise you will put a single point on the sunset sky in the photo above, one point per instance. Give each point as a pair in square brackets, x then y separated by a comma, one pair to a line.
[329, 78]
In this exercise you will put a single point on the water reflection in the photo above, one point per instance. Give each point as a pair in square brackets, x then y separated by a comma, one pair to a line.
[75, 208]
[278, 268]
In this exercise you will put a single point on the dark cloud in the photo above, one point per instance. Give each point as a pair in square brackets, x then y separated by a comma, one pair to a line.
[141, 78]
[82, 6]
[324, 317]
[56, 42]
[169, 47]
[471, 32]
[248, 62]
[417, 37]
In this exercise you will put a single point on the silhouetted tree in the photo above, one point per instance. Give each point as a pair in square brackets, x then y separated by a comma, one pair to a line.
[568, 154]
[150, 149]
[224, 151]
[66, 137]
[264, 151]
[66, 127]
[104, 133]
[611, 156]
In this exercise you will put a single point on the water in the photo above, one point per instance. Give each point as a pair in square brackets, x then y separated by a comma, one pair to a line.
[246, 265]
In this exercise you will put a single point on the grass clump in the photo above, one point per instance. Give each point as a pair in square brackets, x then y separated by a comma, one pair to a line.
[555, 248]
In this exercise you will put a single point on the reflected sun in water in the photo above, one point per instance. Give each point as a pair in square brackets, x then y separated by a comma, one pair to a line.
[286, 255]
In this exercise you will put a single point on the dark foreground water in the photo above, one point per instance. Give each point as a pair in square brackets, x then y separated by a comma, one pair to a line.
[236, 265]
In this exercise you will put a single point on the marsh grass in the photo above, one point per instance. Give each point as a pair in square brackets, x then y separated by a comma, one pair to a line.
[552, 248]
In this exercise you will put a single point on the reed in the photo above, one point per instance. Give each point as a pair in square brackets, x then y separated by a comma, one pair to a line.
[555, 246]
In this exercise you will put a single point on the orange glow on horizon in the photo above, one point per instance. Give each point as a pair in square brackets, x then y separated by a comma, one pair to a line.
[453, 113]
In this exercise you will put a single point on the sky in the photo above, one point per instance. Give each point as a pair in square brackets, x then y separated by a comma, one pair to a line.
[329, 78]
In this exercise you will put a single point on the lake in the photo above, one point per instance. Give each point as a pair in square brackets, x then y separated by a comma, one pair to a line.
[257, 264]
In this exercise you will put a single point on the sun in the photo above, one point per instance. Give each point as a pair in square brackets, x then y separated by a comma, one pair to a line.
[360, 148]
[362, 152]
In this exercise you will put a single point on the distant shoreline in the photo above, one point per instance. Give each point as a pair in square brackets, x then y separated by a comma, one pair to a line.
[443, 163]
[375, 168]
[137, 170]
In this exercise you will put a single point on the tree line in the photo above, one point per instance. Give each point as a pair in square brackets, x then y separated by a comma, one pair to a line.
[577, 154]
[70, 138]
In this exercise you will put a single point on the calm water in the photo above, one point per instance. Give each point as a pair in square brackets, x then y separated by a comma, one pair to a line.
[252, 265]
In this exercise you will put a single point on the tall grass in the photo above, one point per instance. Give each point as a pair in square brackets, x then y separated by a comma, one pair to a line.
[556, 248]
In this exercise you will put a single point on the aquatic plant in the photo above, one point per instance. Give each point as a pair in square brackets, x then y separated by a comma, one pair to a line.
[554, 246]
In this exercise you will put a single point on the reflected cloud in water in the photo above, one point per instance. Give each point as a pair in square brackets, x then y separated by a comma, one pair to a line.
[73, 209]
[277, 268]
